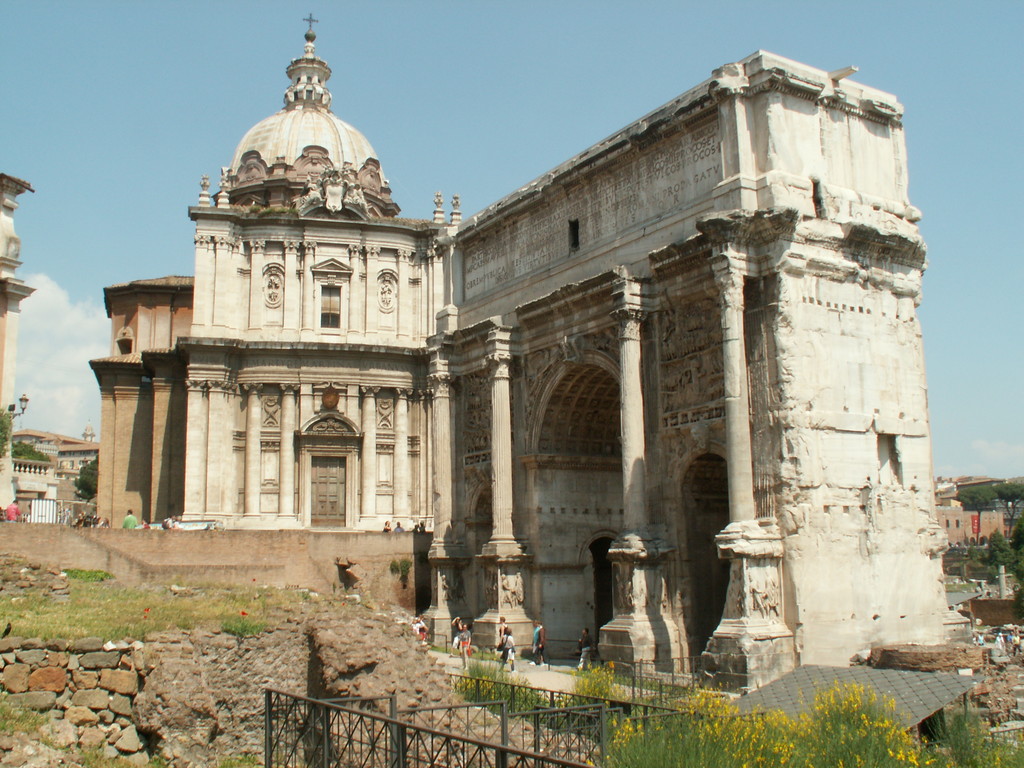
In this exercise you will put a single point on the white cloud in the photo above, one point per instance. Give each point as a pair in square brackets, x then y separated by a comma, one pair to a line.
[1000, 459]
[56, 340]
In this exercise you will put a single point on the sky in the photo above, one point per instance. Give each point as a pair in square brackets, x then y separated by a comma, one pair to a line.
[114, 110]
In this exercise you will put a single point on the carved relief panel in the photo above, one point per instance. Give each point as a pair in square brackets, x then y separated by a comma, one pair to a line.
[476, 411]
[690, 350]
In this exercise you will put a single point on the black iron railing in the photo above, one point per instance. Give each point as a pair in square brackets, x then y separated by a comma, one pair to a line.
[306, 733]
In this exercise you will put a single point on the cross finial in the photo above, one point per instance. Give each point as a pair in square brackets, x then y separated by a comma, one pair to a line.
[311, 20]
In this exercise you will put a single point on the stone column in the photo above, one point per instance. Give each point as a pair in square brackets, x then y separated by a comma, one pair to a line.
[286, 473]
[752, 645]
[642, 628]
[202, 312]
[503, 558]
[368, 461]
[195, 452]
[308, 299]
[448, 557]
[401, 468]
[292, 305]
[404, 315]
[220, 488]
[253, 418]
[372, 290]
[256, 283]
[729, 279]
[159, 483]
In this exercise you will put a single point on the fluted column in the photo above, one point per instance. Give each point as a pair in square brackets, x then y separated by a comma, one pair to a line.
[286, 473]
[253, 416]
[401, 476]
[631, 415]
[729, 280]
[369, 457]
[441, 429]
[195, 450]
[308, 301]
[501, 434]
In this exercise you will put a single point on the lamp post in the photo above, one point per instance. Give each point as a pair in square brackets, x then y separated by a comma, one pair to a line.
[12, 408]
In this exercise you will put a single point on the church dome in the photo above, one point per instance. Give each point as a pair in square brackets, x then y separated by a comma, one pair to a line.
[282, 159]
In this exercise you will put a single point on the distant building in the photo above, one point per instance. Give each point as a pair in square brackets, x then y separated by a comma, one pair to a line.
[12, 292]
[67, 457]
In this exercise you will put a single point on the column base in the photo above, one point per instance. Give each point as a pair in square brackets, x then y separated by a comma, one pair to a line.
[744, 655]
[448, 591]
[635, 638]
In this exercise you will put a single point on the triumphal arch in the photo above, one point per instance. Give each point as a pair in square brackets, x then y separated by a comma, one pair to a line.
[673, 390]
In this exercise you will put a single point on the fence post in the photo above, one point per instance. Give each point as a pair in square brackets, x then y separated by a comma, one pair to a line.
[504, 724]
[268, 723]
[397, 733]
[325, 737]
[604, 732]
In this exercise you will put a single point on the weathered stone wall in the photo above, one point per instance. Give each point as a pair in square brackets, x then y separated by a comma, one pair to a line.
[274, 558]
[89, 685]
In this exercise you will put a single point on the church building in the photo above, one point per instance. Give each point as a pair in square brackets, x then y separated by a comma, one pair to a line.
[673, 390]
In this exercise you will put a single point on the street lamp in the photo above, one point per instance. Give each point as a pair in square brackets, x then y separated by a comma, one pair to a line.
[11, 409]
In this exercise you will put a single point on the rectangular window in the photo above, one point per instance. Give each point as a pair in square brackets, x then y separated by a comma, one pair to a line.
[574, 234]
[330, 306]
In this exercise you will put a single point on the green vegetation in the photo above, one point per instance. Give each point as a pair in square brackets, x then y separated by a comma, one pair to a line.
[97, 609]
[5, 432]
[598, 682]
[85, 483]
[77, 574]
[17, 720]
[491, 682]
[20, 450]
[401, 569]
[847, 726]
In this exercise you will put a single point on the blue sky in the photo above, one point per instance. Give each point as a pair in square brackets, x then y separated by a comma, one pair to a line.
[113, 111]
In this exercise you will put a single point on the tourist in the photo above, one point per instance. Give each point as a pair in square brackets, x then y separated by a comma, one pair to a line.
[387, 526]
[585, 648]
[130, 521]
[465, 643]
[399, 528]
[13, 514]
[508, 649]
[502, 625]
[540, 637]
[420, 628]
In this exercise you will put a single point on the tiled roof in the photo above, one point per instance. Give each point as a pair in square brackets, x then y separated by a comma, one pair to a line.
[170, 281]
[917, 694]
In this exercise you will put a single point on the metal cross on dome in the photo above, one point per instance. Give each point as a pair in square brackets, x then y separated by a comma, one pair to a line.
[311, 21]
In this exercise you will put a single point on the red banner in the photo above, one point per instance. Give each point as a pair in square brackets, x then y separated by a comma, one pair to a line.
[976, 524]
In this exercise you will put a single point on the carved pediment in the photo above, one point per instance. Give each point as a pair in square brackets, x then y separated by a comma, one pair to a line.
[331, 268]
[252, 168]
[330, 424]
[313, 161]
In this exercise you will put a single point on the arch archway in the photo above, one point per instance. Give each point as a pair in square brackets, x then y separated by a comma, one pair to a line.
[573, 494]
[706, 513]
[603, 583]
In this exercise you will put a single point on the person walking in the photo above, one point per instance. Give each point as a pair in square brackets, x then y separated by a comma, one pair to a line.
[508, 649]
[465, 643]
[585, 646]
[540, 637]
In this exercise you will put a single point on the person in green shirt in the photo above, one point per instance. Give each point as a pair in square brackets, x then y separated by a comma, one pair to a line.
[130, 520]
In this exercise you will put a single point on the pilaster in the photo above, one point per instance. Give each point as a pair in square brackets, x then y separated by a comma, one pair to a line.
[196, 442]
[286, 473]
[401, 471]
[368, 460]
[251, 475]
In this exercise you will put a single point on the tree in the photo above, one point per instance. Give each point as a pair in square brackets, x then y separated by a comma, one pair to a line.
[1001, 552]
[85, 483]
[20, 450]
[1011, 496]
[976, 497]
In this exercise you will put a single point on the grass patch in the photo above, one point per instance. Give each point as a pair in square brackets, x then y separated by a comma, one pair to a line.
[112, 612]
[77, 574]
[16, 720]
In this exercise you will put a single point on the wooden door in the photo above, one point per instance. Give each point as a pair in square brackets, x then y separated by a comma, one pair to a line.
[328, 481]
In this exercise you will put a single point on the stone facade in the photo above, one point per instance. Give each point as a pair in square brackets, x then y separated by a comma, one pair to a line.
[12, 292]
[673, 389]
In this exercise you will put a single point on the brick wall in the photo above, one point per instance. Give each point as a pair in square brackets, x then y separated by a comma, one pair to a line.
[276, 558]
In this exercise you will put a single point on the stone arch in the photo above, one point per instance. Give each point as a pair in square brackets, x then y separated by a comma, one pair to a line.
[594, 558]
[705, 512]
[578, 411]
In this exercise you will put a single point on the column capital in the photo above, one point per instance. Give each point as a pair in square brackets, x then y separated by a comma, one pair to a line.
[291, 246]
[405, 392]
[203, 240]
[439, 384]
[629, 319]
[367, 390]
[499, 363]
[729, 280]
[251, 387]
[201, 385]
[290, 389]
[257, 246]
[225, 242]
[309, 246]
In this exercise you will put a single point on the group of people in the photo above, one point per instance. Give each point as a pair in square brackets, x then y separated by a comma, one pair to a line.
[420, 527]
[462, 643]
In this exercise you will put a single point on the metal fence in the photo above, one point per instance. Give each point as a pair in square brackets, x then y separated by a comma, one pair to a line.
[662, 681]
[300, 732]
